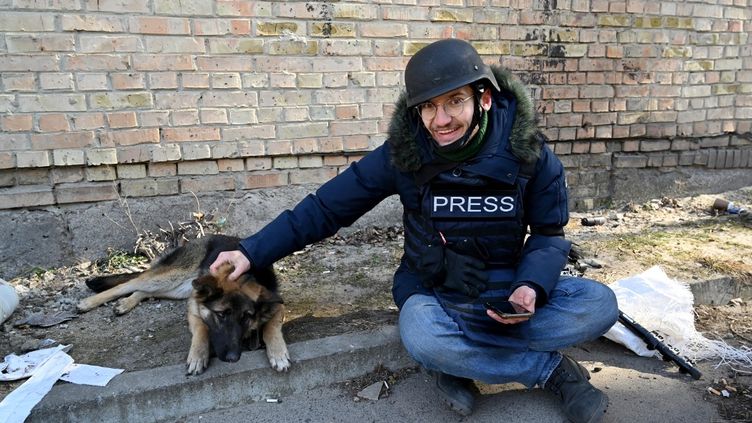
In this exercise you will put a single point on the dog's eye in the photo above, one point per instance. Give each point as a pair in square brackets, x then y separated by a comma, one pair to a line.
[221, 314]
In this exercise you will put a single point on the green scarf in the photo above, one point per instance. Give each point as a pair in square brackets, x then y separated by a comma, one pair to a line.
[472, 147]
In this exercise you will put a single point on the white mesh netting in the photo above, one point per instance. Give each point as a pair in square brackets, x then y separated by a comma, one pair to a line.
[665, 305]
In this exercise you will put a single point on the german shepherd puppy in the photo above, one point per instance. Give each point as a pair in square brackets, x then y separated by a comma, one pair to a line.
[223, 315]
[232, 315]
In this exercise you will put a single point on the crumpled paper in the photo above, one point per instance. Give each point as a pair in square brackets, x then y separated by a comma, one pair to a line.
[17, 367]
[17, 405]
[43, 368]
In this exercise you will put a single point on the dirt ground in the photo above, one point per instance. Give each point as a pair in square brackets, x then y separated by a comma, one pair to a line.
[343, 284]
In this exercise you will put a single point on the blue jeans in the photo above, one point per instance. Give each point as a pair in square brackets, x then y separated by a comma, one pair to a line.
[577, 310]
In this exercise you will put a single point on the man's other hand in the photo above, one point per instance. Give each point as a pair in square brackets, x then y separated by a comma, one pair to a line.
[237, 259]
[523, 299]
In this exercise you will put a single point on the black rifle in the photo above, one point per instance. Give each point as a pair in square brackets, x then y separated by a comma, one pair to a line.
[654, 342]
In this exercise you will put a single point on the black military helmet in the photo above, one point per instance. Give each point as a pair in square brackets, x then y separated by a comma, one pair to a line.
[441, 67]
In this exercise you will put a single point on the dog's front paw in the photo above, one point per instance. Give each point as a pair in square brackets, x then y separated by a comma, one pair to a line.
[197, 362]
[279, 358]
[85, 305]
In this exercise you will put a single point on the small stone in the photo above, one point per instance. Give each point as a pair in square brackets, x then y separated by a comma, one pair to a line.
[372, 391]
[595, 264]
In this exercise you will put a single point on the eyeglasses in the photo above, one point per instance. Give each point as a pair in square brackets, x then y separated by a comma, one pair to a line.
[452, 107]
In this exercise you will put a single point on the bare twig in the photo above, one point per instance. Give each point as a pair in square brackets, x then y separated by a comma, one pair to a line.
[113, 221]
[198, 204]
[124, 202]
[744, 372]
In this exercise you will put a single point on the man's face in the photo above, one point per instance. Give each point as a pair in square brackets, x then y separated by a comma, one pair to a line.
[446, 129]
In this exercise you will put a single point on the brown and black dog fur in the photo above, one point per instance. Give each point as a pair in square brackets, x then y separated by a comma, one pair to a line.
[224, 316]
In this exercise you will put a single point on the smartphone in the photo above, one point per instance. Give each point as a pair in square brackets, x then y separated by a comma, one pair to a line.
[506, 310]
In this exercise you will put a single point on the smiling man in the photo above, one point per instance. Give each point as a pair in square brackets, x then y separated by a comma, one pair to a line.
[479, 299]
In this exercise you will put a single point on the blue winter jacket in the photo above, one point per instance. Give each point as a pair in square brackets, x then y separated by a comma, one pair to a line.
[512, 142]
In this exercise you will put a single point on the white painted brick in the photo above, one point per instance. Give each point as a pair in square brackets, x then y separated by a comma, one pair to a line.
[32, 159]
[101, 156]
[68, 157]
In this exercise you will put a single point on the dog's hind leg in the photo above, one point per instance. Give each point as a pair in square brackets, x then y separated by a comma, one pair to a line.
[174, 284]
[127, 304]
[103, 283]
[180, 292]
[118, 291]
[276, 348]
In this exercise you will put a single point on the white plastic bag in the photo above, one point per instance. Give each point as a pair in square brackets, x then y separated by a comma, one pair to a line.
[8, 300]
[658, 303]
[666, 306]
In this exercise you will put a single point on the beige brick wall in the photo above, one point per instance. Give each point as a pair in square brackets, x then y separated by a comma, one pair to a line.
[161, 97]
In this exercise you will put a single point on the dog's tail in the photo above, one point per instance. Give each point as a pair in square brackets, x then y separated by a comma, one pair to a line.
[103, 283]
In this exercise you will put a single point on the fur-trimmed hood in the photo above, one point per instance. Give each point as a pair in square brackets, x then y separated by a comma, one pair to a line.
[407, 155]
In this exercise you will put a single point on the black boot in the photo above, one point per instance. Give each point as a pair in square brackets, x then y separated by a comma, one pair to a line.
[583, 403]
[458, 393]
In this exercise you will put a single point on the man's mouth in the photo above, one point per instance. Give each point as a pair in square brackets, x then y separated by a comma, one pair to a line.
[446, 131]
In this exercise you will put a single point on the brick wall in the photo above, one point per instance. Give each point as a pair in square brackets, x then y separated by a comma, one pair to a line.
[138, 98]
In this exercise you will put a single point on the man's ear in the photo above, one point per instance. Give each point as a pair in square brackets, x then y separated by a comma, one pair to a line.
[485, 100]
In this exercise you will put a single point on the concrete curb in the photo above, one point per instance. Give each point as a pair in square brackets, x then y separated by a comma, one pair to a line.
[167, 393]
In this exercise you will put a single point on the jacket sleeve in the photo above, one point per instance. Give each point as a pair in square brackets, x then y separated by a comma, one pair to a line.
[546, 213]
[336, 204]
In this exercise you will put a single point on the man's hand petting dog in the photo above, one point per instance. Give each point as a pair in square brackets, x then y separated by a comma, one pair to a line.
[237, 259]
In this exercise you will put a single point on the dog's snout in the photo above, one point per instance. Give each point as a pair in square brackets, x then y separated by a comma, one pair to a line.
[232, 357]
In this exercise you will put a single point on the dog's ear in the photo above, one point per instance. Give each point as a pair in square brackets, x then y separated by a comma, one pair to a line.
[270, 297]
[267, 305]
[205, 286]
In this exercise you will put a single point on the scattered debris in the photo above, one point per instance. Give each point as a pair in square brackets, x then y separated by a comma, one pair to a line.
[45, 320]
[722, 388]
[47, 343]
[44, 368]
[370, 235]
[152, 244]
[20, 367]
[373, 391]
[733, 397]
[595, 264]
[727, 206]
[376, 384]
[670, 202]
[738, 302]
[631, 208]
[593, 221]
[272, 400]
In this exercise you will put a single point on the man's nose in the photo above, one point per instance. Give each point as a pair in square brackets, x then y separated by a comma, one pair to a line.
[441, 118]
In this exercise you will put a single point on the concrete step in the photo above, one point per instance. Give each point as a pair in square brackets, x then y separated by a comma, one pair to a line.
[167, 393]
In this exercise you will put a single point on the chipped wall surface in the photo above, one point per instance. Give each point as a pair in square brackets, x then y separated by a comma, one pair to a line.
[54, 236]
